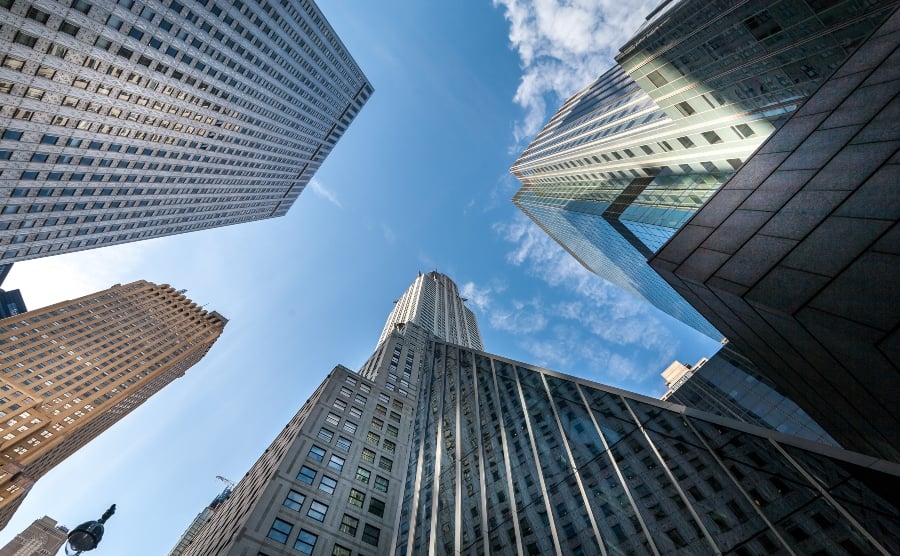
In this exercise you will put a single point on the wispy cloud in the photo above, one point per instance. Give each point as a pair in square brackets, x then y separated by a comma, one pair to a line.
[478, 296]
[320, 190]
[520, 318]
[564, 45]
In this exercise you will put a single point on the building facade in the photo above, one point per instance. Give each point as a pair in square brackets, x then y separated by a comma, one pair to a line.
[122, 121]
[433, 302]
[73, 369]
[478, 454]
[42, 538]
[200, 521]
[11, 303]
[629, 159]
[728, 384]
[795, 258]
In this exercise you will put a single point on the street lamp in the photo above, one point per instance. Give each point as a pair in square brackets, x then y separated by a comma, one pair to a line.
[88, 535]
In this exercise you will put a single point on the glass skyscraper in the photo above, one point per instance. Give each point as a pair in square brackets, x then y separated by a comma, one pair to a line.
[437, 448]
[628, 160]
[127, 120]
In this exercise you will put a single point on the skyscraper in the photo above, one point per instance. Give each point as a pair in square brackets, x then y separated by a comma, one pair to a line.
[478, 454]
[626, 161]
[200, 521]
[728, 384]
[73, 369]
[795, 259]
[11, 303]
[42, 538]
[433, 302]
[122, 121]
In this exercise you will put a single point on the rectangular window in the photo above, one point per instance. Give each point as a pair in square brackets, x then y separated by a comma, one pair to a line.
[350, 427]
[336, 463]
[316, 453]
[280, 531]
[657, 79]
[377, 423]
[392, 431]
[317, 510]
[383, 398]
[327, 484]
[686, 142]
[350, 380]
[376, 507]
[294, 500]
[355, 412]
[380, 409]
[368, 455]
[385, 463]
[685, 108]
[306, 542]
[712, 137]
[370, 535]
[381, 484]
[343, 444]
[339, 550]
[395, 416]
[373, 438]
[345, 392]
[340, 405]
[349, 524]
[333, 419]
[356, 498]
[306, 475]
[389, 446]
[362, 475]
[360, 399]
[325, 435]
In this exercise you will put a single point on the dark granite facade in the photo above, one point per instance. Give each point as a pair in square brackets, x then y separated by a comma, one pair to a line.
[796, 258]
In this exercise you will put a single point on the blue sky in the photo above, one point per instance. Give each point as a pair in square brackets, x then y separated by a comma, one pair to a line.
[420, 181]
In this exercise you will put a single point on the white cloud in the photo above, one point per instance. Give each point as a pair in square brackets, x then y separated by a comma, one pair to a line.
[316, 187]
[521, 318]
[478, 296]
[563, 46]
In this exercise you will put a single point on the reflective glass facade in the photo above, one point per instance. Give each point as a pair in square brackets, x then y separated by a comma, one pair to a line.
[731, 386]
[121, 121]
[692, 96]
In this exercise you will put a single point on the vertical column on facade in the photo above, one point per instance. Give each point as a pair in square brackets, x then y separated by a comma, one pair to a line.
[536, 455]
[504, 441]
[482, 456]
[674, 481]
[575, 470]
[606, 450]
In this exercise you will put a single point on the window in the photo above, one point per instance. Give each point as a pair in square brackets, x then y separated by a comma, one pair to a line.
[333, 419]
[340, 405]
[685, 108]
[657, 79]
[356, 498]
[370, 534]
[343, 444]
[381, 484]
[380, 409]
[316, 453]
[355, 412]
[350, 427]
[339, 550]
[712, 137]
[294, 500]
[280, 531]
[376, 507]
[362, 475]
[373, 438]
[389, 446]
[392, 431]
[306, 541]
[385, 463]
[336, 463]
[327, 484]
[345, 392]
[350, 380]
[349, 524]
[325, 435]
[368, 455]
[686, 142]
[360, 399]
[317, 510]
[383, 398]
[306, 475]
[377, 423]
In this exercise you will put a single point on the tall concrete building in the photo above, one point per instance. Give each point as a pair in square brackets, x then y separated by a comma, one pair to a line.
[728, 384]
[205, 515]
[11, 303]
[73, 369]
[433, 302]
[42, 538]
[627, 160]
[795, 259]
[478, 454]
[122, 121]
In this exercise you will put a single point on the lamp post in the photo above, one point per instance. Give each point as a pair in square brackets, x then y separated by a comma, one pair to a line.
[87, 536]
